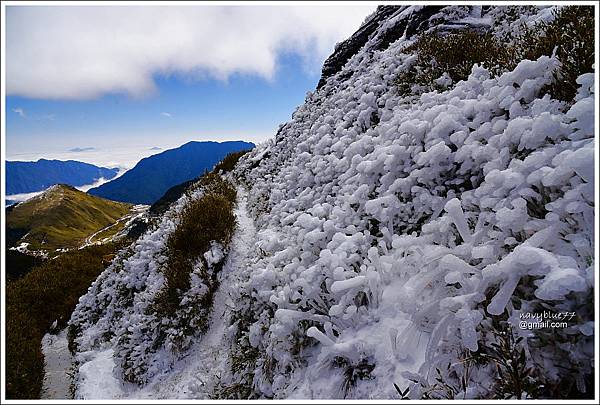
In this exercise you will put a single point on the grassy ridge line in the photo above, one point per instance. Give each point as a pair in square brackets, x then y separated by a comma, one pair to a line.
[48, 293]
[63, 217]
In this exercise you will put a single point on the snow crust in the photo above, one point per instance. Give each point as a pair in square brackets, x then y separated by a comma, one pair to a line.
[57, 366]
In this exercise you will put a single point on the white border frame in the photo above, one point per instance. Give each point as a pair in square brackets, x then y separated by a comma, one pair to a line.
[287, 3]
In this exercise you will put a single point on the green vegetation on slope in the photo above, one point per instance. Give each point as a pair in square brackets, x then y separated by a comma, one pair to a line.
[48, 293]
[209, 218]
[62, 217]
[229, 161]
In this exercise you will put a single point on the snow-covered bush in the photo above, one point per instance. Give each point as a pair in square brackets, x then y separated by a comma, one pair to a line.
[446, 58]
[202, 222]
[569, 36]
[397, 234]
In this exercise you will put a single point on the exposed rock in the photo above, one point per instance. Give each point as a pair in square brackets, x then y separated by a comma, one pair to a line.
[346, 49]
[401, 21]
[390, 23]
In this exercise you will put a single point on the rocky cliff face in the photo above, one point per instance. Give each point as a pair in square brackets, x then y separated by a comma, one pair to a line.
[390, 23]
[346, 49]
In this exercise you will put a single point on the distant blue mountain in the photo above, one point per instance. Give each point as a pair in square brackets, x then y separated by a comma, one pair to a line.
[28, 177]
[154, 175]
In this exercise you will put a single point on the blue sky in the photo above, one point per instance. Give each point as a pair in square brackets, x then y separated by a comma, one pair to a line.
[132, 78]
[244, 106]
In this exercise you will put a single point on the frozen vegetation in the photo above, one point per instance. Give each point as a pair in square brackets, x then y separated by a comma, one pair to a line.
[397, 239]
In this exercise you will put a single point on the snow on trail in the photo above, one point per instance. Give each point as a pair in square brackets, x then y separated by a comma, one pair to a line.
[137, 211]
[195, 375]
[96, 379]
[57, 364]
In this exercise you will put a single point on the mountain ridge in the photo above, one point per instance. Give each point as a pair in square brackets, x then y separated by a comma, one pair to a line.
[152, 176]
[59, 218]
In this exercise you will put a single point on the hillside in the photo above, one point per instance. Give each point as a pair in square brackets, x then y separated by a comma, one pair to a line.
[154, 175]
[435, 191]
[27, 177]
[61, 217]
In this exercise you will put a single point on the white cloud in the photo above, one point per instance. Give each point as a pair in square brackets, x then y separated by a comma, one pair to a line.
[79, 52]
[20, 111]
[23, 196]
[45, 117]
[166, 114]
[80, 149]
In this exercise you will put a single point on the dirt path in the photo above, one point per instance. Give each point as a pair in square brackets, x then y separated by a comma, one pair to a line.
[136, 212]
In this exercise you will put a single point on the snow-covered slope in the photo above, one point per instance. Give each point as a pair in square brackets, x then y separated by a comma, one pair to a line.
[394, 229]
[398, 239]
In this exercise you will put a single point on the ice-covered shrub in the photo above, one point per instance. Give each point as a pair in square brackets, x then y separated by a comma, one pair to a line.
[243, 360]
[446, 58]
[503, 356]
[402, 239]
[353, 371]
[443, 58]
[515, 377]
[570, 36]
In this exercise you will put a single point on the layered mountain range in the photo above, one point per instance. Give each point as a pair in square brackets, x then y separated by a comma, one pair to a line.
[27, 177]
[151, 177]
